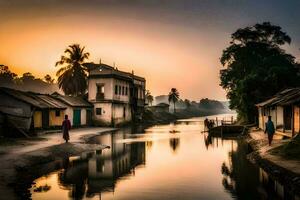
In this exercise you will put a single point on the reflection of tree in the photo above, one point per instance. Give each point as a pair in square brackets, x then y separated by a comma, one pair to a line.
[241, 177]
[174, 143]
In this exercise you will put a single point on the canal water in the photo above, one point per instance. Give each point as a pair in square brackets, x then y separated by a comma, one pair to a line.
[175, 161]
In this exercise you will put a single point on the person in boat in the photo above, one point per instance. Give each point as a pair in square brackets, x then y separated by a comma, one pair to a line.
[270, 130]
[206, 122]
[66, 126]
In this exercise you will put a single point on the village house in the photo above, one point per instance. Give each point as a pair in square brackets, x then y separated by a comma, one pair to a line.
[284, 108]
[78, 110]
[118, 97]
[26, 110]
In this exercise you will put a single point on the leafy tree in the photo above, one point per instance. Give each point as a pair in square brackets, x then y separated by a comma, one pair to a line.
[48, 79]
[256, 67]
[187, 103]
[72, 75]
[173, 97]
[6, 76]
[149, 97]
[210, 104]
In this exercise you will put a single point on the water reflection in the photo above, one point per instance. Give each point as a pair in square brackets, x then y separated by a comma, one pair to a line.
[174, 144]
[99, 171]
[157, 164]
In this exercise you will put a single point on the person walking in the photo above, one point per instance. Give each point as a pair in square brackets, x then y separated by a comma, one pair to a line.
[66, 126]
[270, 129]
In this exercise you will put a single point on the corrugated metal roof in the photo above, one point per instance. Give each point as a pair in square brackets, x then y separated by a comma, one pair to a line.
[41, 101]
[73, 101]
[52, 102]
[285, 97]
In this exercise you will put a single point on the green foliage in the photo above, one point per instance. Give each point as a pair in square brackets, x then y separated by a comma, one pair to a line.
[6, 76]
[49, 79]
[256, 67]
[149, 97]
[173, 97]
[187, 103]
[210, 104]
[72, 76]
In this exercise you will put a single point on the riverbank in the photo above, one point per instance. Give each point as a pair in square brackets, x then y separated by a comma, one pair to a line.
[19, 156]
[284, 169]
[152, 118]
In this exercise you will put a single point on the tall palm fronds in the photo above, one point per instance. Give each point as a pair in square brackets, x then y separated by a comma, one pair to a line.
[173, 97]
[72, 75]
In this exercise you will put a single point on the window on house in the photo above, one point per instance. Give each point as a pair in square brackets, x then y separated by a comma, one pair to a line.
[100, 88]
[98, 111]
[123, 90]
[57, 113]
[120, 88]
[116, 89]
[126, 91]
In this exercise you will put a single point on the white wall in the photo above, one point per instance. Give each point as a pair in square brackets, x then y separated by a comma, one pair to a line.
[108, 88]
[105, 117]
[118, 113]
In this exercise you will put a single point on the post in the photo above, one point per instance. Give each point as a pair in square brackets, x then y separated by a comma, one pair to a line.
[293, 124]
[217, 121]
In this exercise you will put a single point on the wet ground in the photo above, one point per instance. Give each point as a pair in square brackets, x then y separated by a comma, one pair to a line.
[175, 161]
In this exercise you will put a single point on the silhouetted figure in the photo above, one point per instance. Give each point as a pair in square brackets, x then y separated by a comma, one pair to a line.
[66, 126]
[270, 130]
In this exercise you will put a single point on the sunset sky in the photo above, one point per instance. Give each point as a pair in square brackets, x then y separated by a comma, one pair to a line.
[172, 43]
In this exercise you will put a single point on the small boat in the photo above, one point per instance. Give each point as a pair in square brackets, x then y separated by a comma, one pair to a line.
[174, 131]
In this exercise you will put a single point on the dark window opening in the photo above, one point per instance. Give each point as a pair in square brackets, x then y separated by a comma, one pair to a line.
[116, 89]
[57, 113]
[126, 91]
[123, 90]
[98, 111]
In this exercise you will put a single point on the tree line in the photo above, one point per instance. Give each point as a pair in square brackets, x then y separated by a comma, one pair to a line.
[257, 67]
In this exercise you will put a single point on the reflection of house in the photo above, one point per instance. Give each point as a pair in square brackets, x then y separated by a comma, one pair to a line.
[161, 107]
[78, 110]
[110, 164]
[117, 96]
[24, 110]
[284, 109]
[98, 172]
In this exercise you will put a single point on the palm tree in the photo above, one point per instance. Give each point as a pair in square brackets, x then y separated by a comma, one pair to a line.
[149, 97]
[173, 97]
[72, 75]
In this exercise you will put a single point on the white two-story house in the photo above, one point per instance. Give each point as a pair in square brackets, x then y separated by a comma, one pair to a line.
[117, 96]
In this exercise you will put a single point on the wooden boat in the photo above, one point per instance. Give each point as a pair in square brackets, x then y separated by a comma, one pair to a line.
[227, 130]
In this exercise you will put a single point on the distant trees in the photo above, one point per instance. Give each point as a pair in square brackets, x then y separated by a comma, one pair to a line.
[210, 104]
[173, 97]
[256, 67]
[6, 76]
[72, 75]
[149, 97]
[49, 79]
[26, 82]
[187, 103]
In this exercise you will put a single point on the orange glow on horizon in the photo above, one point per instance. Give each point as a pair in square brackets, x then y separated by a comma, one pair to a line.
[167, 55]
